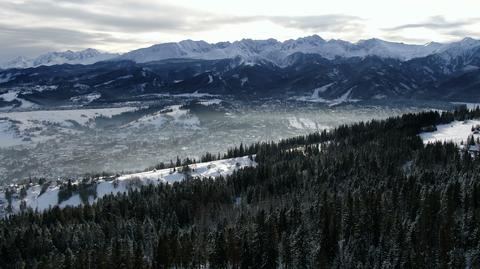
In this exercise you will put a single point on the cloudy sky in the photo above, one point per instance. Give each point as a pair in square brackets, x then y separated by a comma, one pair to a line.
[31, 27]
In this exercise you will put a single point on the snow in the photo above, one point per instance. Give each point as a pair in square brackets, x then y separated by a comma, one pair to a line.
[470, 68]
[456, 131]
[302, 123]
[310, 99]
[343, 98]
[315, 97]
[12, 95]
[156, 119]
[210, 79]
[379, 96]
[9, 96]
[34, 200]
[405, 86]
[174, 114]
[6, 78]
[210, 102]
[72, 201]
[182, 116]
[322, 89]
[124, 183]
[8, 137]
[87, 56]
[462, 48]
[175, 111]
[212, 169]
[81, 86]
[243, 81]
[30, 119]
[195, 94]
[42, 88]
[86, 98]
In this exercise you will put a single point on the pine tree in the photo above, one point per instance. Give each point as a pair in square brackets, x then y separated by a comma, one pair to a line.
[300, 248]
[217, 255]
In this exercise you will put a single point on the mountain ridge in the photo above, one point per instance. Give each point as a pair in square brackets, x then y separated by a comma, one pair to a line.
[252, 51]
[86, 56]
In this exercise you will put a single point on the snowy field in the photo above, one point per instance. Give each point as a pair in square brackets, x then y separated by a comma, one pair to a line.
[49, 198]
[174, 113]
[29, 119]
[18, 128]
[456, 131]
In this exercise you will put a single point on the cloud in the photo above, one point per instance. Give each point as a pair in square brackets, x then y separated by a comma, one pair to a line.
[436, 23]
[52, 37]
[462, 33]
[147, 17]
[439, 26]
[322, 23]
[405, 39]
[70, 24]
[125, 17]
[30, 41]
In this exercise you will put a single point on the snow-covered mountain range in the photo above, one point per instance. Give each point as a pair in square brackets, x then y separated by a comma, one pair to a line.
[277, 52]
[254, 51]
[87, 56]
[300, 69]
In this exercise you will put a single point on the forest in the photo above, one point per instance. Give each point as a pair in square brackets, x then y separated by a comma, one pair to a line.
[367, 195]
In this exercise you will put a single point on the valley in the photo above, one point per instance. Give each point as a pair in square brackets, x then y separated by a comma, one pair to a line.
[71, 142]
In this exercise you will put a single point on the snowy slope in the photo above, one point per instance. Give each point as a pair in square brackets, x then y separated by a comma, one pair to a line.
[315, 97]
[122, 184]
[87, 56]
[32, 119]
[463, 48]
[456, 131]
[17, 126]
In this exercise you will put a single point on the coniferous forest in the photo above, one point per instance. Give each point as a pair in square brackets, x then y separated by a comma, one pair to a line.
[368, 195]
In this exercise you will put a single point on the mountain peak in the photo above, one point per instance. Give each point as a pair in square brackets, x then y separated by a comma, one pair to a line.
[432, 43]
[312, 38]
[468, 39]
[86, 56]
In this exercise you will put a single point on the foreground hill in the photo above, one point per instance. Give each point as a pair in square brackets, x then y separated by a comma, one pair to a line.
[369, 195]
[48, 194]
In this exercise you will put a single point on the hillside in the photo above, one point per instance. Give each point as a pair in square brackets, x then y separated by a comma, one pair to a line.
[48, 194]
[367, 195]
